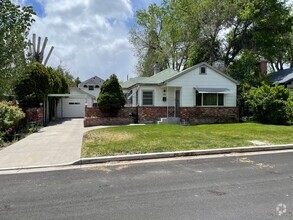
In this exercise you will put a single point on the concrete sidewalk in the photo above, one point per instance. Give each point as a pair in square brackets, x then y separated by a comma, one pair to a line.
[58, 143]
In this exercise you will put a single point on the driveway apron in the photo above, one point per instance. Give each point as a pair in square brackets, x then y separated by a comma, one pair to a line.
[58, 143]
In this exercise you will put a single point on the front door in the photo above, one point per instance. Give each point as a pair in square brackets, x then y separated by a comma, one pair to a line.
[177, 103]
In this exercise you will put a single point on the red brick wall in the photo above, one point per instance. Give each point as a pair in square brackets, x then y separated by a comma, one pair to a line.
[95, 121]
[191, 115]
[96, 112]
[204, 115]
[153, 114]
[35, 115]
[94, 117]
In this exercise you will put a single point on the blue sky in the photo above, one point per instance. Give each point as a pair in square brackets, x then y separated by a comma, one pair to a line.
[90, 37]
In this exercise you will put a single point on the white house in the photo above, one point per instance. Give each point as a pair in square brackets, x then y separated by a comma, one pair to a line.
[199, 86]
[72, 105]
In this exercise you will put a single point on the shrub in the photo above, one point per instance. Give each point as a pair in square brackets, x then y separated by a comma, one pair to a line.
[269, 105]
[9, 115]
[111, 97]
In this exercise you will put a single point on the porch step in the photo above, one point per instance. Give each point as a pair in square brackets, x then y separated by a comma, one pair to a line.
[170, 120]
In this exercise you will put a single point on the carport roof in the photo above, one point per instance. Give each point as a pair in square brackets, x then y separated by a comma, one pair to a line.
[68, 95]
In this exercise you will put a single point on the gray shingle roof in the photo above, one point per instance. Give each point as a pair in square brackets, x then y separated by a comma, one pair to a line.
[282, 76]
[93, 81]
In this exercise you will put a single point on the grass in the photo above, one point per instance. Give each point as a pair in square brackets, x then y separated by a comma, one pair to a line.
[162, 138]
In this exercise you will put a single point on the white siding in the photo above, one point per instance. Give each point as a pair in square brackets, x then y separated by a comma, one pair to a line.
[94, 92]
[89, 102]
[211, 79]
[59, 108]
[158, 94]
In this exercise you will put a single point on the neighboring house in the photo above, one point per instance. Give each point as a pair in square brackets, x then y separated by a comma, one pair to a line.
[283, 77]
[198, 87]
[92, 87]
[73, 105]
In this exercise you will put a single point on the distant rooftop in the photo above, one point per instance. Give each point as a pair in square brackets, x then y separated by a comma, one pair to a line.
[92, 81]
[282, 76]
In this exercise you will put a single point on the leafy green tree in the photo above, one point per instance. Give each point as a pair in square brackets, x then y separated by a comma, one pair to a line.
[71, 81]
[15, 22]
[37, 82]
[182, 33]
[34, 85]
[161, 35]
[111, 97]
[246, 68]
[259, 26]
[270, 105]
[59, 84]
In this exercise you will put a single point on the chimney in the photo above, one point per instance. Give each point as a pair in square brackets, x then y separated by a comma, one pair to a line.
[157, 68]
[219, 65]
[263, 67]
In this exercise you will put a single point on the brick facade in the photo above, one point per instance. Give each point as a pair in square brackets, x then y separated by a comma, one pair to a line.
[189, 115]
[209, 115]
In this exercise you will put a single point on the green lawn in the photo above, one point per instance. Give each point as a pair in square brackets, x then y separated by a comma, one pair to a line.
[160, 138]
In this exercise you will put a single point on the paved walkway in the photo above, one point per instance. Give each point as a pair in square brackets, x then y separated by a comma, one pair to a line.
[58, 143]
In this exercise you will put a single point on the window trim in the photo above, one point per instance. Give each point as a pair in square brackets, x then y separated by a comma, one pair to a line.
[129, 101]
[153, 97]
[201, 72]
[202, 99]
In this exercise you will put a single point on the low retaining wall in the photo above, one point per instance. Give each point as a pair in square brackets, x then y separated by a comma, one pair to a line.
[189, 115]
[209, 115]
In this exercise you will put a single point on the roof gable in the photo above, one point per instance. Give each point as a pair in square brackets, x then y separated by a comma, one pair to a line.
[168, 75]
[201, 65]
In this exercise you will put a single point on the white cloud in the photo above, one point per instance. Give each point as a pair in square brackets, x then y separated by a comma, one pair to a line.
[90, 36]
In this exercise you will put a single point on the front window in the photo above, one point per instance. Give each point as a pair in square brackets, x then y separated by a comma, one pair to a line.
[147, 98]
[209, 99]
[91, 88]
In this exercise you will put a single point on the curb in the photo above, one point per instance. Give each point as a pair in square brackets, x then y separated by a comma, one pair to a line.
[39, 166]
[147, 156]
[181, 154]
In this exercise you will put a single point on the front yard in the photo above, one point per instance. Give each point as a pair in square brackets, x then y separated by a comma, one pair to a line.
[162, 138]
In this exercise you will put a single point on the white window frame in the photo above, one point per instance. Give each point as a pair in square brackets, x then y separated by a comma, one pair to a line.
[205, 70]
[202, 96]
[153, 97]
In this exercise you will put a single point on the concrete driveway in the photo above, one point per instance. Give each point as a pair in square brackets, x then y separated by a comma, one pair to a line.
[58, 143]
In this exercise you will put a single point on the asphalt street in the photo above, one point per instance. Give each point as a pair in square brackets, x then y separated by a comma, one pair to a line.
[242, 187]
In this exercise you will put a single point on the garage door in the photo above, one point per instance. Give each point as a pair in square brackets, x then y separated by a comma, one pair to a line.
[73, 108]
